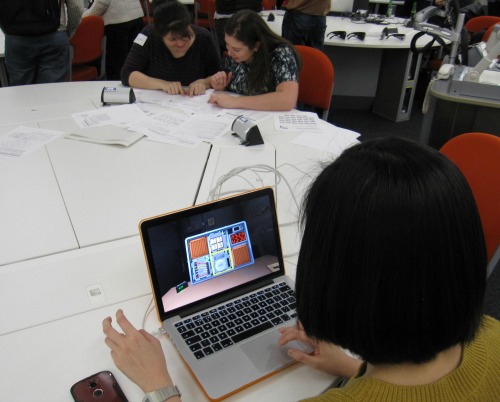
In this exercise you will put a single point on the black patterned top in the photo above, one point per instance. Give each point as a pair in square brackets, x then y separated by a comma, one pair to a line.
[283, 65]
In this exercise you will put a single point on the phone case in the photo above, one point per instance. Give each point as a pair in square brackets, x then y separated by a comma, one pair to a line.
[100, 387]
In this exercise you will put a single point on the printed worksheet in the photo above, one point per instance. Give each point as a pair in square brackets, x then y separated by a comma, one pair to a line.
[120, 115]
[24, 140]
[296, 121]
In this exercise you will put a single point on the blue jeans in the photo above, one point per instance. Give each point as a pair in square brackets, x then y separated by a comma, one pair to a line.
[304, 29]
[37, 59]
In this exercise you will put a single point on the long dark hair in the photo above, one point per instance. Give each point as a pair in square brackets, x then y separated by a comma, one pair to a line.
[248, 27]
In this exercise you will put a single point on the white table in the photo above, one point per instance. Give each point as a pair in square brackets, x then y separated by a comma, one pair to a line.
[106, 190]
[32, 214]
[91, 262]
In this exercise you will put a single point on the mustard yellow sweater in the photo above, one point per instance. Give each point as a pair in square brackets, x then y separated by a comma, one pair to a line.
[476, 379]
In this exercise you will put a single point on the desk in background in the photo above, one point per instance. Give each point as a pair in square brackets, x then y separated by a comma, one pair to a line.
[451, 114]
[54, 299]
[374, 73]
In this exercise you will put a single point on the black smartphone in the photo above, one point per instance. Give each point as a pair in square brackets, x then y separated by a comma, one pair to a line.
[100, 387]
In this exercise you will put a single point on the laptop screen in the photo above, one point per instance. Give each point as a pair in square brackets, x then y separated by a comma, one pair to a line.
[197, 255]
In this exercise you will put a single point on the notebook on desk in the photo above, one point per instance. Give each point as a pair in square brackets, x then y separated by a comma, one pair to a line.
[220, 289]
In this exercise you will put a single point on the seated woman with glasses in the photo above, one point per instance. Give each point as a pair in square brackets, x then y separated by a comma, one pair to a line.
[392, 267]
[171, 54]
[259, 64]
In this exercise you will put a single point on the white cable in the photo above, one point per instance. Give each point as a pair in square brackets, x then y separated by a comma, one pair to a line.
[216, 191]
[148, 311]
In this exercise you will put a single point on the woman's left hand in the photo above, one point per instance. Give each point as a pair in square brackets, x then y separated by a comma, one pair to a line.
[220, 80]
[326, 357]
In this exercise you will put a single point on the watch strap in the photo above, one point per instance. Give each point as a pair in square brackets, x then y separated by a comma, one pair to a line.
[162, 394]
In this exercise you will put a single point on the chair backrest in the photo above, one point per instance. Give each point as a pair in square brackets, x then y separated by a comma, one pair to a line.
[477, 24]
[268, 4]
[87, 42]
[147, 10]
[487, 34]
[477, 155]
[315, 79]
[202, 10]
[211, 9]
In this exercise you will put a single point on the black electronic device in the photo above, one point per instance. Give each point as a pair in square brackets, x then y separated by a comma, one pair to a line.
[99, 387]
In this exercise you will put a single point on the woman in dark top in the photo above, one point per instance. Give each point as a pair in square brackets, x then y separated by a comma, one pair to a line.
[171, 54]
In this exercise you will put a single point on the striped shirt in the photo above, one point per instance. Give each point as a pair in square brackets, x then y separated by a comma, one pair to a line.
[152, 58]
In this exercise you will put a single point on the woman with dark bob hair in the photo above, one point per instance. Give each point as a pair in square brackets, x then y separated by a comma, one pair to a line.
[392, 268]
[259, 64]
[172, 53]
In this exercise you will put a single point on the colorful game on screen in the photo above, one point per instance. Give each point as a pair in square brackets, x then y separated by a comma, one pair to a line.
[218, 252]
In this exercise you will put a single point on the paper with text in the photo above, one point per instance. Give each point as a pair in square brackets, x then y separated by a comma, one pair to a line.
[24, 140]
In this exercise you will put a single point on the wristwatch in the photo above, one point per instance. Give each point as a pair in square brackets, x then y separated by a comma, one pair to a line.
[162, 394]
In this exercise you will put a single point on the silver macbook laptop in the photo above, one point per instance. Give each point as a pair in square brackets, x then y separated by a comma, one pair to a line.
[220, 289]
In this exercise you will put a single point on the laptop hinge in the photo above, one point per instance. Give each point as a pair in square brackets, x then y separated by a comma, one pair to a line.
[227, 296]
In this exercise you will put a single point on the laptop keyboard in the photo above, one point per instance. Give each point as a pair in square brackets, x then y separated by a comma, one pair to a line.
[233, 322]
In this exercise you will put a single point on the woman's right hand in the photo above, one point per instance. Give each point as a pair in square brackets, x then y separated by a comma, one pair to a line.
[172, 88]
[326, 357]
[220, 80]
[137, 354]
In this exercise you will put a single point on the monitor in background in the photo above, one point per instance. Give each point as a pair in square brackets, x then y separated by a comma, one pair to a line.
[360, 5]
[341, 6]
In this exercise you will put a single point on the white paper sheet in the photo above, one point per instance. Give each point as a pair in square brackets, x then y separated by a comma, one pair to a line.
[24, 140]
[330, 138]
[119, 115]
[296, 121]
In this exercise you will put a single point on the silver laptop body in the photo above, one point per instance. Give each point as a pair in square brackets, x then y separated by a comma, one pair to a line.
[209, 264]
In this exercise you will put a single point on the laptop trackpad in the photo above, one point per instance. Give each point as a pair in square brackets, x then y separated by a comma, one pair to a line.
[265, 353]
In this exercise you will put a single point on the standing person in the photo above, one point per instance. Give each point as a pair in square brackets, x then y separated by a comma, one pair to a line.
[260, 64]
[224, 9]
[392, 266]
[37, 39]
[123, 22]
[172, 53]
[304, 22]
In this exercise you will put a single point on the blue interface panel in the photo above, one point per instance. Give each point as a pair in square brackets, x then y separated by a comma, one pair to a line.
[218, 252]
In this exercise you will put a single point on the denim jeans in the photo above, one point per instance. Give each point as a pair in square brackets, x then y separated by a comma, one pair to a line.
[304, 29]
[37, 59]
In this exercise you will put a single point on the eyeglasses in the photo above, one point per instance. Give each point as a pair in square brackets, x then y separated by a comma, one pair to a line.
[340, 34]
[343, 35]
[391, 32]
[357, 35]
